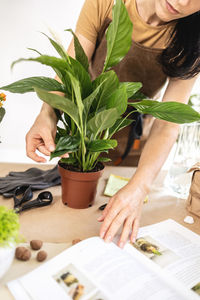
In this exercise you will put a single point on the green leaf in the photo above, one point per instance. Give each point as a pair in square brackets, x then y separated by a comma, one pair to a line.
[103, 120]
[131, 87]
[118, 100]
[119, 35]
[2, 113]
[61, 103]
[59, 48]
[78, 71]
[104, 159]
[61, 131]
[119, 124]
[27, 85]
[87, 102]
[76, 87]
[169, 111]
[69, 161]
[101, 145]
[66, 144]
[109, 83]
[47, 60]
[79, 52]
[35, 50]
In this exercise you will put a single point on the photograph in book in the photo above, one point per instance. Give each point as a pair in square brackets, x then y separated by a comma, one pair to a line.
[196, 288]
[76, 284]
[155, 251]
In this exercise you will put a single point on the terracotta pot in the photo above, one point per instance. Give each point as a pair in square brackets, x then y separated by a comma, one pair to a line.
[79, 188]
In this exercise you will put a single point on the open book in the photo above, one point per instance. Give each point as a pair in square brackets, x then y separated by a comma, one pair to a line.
[164, 263]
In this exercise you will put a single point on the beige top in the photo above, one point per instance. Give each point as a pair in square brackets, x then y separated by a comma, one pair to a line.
[94, 13]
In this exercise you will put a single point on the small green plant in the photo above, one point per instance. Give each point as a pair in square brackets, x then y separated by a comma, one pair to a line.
[93, 111]
[9, 227]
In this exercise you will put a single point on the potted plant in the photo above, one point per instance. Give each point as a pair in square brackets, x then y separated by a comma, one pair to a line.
[93, 110]
[9, 237]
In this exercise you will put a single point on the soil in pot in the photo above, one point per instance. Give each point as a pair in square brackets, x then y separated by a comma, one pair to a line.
[79, 188]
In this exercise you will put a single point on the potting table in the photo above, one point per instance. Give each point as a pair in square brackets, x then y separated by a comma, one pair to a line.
[57, 225]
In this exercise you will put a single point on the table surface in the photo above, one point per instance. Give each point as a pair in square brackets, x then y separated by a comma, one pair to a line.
[57, 225]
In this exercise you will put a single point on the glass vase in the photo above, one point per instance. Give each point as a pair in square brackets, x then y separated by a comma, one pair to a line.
[187, 153]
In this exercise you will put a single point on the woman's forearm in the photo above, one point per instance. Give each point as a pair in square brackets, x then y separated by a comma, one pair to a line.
[160, 141]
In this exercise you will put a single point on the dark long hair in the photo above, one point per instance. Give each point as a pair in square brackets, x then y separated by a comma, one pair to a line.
[181, 58]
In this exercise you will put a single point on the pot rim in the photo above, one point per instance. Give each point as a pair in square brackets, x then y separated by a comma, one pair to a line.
[78, 172]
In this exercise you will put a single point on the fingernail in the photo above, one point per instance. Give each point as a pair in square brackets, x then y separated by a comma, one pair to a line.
[99, 218]
[121, 244]
[133, 240]
[108, 239]
[102, 234]
[51, 148]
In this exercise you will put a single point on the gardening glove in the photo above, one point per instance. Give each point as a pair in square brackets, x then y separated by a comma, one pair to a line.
[36, 178]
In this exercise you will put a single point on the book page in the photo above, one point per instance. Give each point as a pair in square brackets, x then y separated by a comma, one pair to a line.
[173, 248]
[94, 270]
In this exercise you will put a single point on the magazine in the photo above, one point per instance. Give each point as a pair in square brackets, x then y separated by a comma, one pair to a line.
[164, 263]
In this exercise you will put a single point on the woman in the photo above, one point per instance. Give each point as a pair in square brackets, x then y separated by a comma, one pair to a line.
[163, 30]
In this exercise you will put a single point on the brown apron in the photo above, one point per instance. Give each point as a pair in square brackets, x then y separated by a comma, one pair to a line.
[140, 64]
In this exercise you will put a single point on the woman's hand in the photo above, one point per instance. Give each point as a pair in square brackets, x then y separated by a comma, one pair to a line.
[41, 136]
[124, 208]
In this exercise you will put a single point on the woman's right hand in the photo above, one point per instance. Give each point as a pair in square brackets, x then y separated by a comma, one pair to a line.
[41, 136]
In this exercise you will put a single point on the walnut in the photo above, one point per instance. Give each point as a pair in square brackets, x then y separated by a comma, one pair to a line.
[76, 241]
[41, 256]
[22, 253]
[36, 244]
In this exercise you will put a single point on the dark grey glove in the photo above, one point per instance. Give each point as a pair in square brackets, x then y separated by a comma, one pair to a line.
[36, 178]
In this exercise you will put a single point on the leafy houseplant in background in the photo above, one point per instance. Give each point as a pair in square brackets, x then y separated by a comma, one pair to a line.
[9, 237]
[92, 110]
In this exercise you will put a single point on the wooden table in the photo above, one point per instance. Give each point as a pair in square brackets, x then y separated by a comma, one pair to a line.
[57, 225]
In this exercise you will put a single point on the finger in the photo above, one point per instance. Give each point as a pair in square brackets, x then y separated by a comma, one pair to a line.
[115, 224]
[127, 228]
[43, 150]
[135, 230]
[30, 152]
[66, 155]
[106, 210]
[49, 143]
[108, 220]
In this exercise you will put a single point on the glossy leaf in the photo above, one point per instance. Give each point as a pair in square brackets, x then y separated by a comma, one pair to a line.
[109, 83]
[78, 71]
[87, 102]
[79, 52]
[104, 159]
[61, 103]
[59, 48]
[101, 145]
[103, 120]
[119, 124]
[76, 87]
[118, 99]
[66, 144]
[27, 85]
[175, 112]
[131, 87]
[69, 161]
[2, 113]
[119, 35]
[47, 60]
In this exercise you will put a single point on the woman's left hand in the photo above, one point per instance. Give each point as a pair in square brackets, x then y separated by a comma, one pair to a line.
[124, 208]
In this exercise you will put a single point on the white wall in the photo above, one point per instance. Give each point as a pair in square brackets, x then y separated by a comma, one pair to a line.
[20, 24]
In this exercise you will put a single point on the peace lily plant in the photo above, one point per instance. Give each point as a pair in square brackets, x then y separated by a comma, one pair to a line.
[93, 110]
